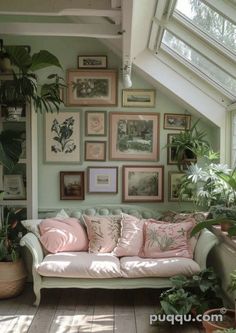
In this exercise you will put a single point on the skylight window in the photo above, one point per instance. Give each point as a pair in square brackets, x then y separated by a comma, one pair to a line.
[209, 21]
[197, 60]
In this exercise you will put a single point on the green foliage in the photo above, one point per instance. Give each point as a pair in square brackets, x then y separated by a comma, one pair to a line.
[11, 232]
[226, 330]
[195, 294]
[189, 144]
[10, 148]
[25, 85]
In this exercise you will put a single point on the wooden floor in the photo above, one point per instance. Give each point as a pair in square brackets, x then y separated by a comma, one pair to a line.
[84, 311]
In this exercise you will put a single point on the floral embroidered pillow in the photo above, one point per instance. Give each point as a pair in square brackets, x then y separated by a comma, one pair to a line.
[166, 240]
[103, 232]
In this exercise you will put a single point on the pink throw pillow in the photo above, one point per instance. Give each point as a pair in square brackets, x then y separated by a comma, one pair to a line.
[131, 237]
[165, 240]
[59, 235]
[103, 232]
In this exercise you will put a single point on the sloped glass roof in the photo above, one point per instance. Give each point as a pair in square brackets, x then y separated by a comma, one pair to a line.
[209, 21]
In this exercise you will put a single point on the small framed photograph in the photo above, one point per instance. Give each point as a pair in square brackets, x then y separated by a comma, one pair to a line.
[71, 185]
[143, 98]
[13, 187]
[95, 123]
[134, 136]
[92, 61]
[173, 121]
[103, 180]
[92, 87]
[175, 179]
[62, 137]
[95, 151]
[171, 151]
[143, 183]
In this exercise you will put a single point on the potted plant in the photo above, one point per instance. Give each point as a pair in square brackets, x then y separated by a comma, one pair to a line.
[24, 85]
[189, 144]
[12, 270]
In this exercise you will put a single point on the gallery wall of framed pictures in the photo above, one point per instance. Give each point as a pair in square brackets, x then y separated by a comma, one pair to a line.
[110, 140]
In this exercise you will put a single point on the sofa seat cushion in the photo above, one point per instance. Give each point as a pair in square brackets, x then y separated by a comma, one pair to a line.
[136, 267]
[80, 265]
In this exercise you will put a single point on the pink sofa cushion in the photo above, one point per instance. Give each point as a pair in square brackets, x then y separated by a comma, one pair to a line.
[165, 240]
[131, 236]
[136, 267]
[103, 232]
[59, 235]
[80, 265]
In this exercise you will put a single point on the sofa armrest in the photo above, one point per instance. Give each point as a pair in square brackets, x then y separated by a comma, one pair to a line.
[34, 246]
[206, 241]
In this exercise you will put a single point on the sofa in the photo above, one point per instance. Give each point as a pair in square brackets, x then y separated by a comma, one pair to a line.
[86, 269]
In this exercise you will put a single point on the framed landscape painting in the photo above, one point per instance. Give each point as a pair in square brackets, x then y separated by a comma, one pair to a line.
[91, 87]
[143, 98]
[143, 183]
[62, 137]
[102, 180]
[71, 185]
[134, 136]
[92, 61]
[175, 121]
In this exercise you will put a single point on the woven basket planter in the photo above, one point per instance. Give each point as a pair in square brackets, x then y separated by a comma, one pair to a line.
[12, 278]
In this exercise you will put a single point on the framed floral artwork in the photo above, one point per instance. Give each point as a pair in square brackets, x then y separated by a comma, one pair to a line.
[95, 123]
[72, 185]
[92, 87]
[95, 151]
[102, 180]
[62, 137]
[134, 136]
[177, 121]
[143, 98]
[92, 61]
[143, 183]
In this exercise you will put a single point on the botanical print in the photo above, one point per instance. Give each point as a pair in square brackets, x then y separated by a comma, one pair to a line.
[63, 141]
[164, 242]
[142, 183]
[62, 137]
[95, 123]
[91, 88]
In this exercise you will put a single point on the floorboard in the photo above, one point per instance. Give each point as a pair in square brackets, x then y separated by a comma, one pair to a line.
[85, 311]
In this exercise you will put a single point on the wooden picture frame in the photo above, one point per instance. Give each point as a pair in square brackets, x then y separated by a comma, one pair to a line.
[143, 183]
[72, 185]
[102, 180]
[171, 151]
[95, 151]
[174, 121]
[92, 61]
[142, 98]
[13, 186]
[134, 136]
[97, 87]
[174, 182]
[95, 123]
[61, 148]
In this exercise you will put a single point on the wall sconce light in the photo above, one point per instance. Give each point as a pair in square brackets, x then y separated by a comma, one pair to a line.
[127, 83]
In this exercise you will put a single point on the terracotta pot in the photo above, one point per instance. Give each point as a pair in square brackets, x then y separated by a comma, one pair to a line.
[12, 278]
[211, 327]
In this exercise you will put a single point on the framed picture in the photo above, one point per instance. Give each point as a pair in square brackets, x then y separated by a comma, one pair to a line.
[91, 87]
[95, 150]
[102, 180]
[175, 179]
[143, 183]
[95, 123]
[143, 98]
[71, 185]
[13, 186]
[171, 151]
[62, 137]
[134, 136]
[92, 61]
[177, 121]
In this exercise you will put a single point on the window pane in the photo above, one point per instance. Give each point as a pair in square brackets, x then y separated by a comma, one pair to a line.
[200, 62]
[209, 21]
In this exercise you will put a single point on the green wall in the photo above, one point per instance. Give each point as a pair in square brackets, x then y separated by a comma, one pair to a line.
[67, 49]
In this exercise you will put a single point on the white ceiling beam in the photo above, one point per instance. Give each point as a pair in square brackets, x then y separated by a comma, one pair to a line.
[61, 29]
